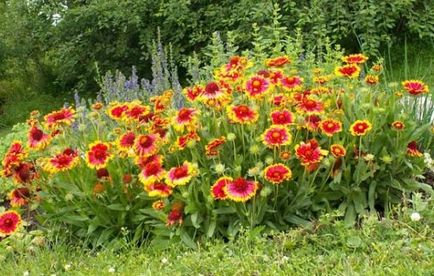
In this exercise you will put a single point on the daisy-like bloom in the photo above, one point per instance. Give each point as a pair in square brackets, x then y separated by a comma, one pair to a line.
[184, 140]
[236, 63]
[162, 102]
[291, 83]
[279, 100]
[285, 155]
[10, 221]
[175, 215]
[158, 205]
[355, 59]
[64, 161]
[62, 117]
[377, 67]
[25, 172]
[19, 197]
[276, 136]
[103, 174]
[348, 71]
[141, 160]
[125, 143]
[278, 61]
[321, 79]
[241, 189]
[398, 125]
[151, 173]
[13, 157]
[330, 127]
[97, 106]
[98, 188]
[186, 117]
[415, 87]
[277, 173]
[211, 148]
[257, 87]
[312, 122]
[242, 114]
[218, 188]
[37, 139]
[413, 149]
[136, 110]
[309, 153]
[147, 144]
[192, 93]
[307, 105]
[360, 127]
[275, 77]
[338, 150]
[158, 189]
[214, 90]
[117, 111]
[180, 176]
[282, 117]
[98, 155]
[371, 79]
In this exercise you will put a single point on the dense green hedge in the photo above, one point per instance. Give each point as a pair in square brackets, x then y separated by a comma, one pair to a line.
[119, 34]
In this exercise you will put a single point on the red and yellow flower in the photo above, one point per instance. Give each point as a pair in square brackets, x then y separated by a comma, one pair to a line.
[211, 149]
[276, 136]
[10, 221]
[185, 118]
[360, 127]
[242, 114]
[147, 144]
[98, 155]
[312, 122]
[64, 161]
[176, 214]
[125, 143]
[151, 173]
[158, 205]
[413, 149]
[291, 83]
[180, 176]
[135, 111]
[348, 71]
[159, 189]
[371, 79]
[337, 150]
[257, 87]
[37, 139]
[355, 59]
[309, 153]
[183, 141]
[62, 117]
[330, 127]
[241, 189]
[398, 125]
[285, 155]
[415, 87]
[278, 61]
[282, 117]
[310, 106]
[19, 197]
[24, 172]
[193, 93]
[218, 189]
[277, 173]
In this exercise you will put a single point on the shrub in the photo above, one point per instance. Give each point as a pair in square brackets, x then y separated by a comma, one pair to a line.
[266, 141]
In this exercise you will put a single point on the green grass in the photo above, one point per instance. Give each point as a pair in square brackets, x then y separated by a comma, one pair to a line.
[386, 247]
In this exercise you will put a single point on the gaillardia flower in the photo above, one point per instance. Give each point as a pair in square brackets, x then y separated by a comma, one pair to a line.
[310, 106]
[398, 125]
[276, 136]
[337, 150]
[117, 111]
[309, 153]
[63, 161]
[125, 143]
[19, 197]
[242, 114]
[278, 61]
[218, 188]
[186, 117]
[158, 189]
[151, 173]
[179, 176]
[257, 87]
[371, 79]
[415, 87]
[37, 139]
[62, 117]
[291, 83]
[241, 189]
[355, 59]
[147, 144]
[413, 149]
[136, 110]
[348, 71]
[330, 127]
[282, 117]
[10, 221]
[277, 173]
[193, 93]
[360, 127]
[211, 149]
[98, 155]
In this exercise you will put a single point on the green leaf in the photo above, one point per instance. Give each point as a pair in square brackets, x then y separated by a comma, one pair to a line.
[185, 237]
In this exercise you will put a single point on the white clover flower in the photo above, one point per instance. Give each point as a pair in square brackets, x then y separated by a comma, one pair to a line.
[26, 273]
[111, 270]
[415, 216]
[164, 261]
